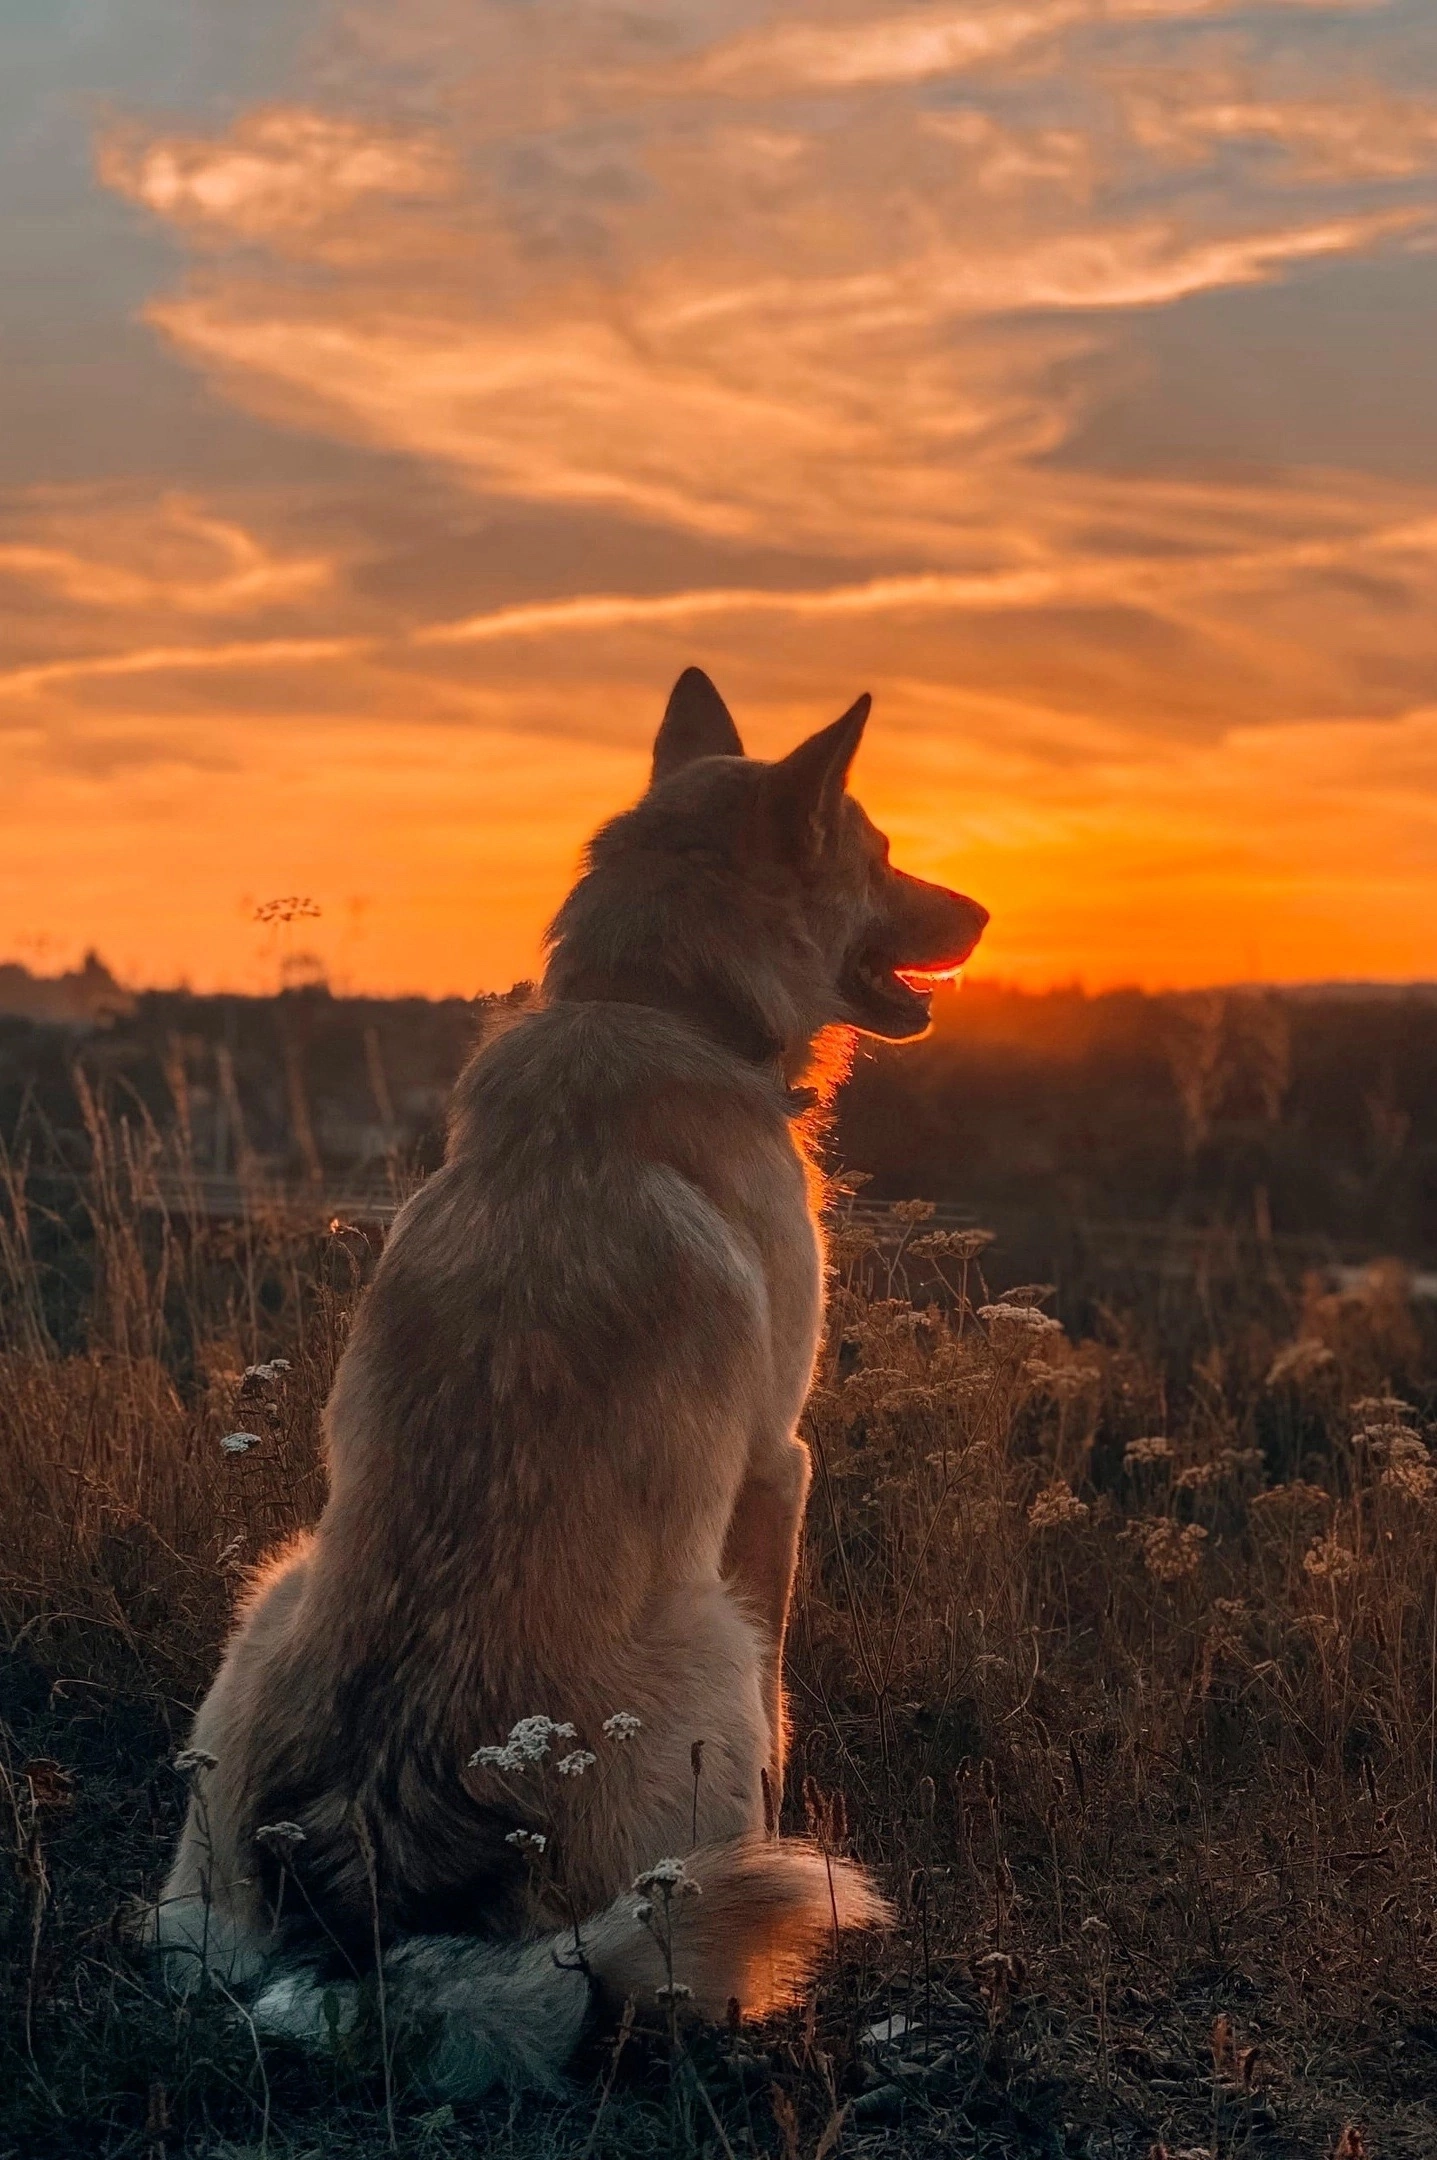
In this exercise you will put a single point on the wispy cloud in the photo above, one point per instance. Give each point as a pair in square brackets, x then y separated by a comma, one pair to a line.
[1105, 581]
[914, 45]
[1365, 135]
[173, 555]
[168, 659]
[285, 170]
[715, 414]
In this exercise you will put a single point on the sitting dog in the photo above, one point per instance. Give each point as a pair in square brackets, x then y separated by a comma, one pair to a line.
[533, 1649]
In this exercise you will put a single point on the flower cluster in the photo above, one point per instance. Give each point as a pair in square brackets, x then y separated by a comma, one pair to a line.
[1228, 1462]
[1381, 1409]
[1057, 1504]
[1138, 1454]
[1326, 1560]
[1298, 1497]
[1020, 1319]
[528, 1742]
[670, 1878]
[270, 1373]
[1172, 1552]
[1412, 1479]
[279, 1837]
[1393, 1443]
[952, 1244]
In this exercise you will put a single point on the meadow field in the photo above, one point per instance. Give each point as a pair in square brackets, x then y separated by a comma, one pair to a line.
[1115, 1656]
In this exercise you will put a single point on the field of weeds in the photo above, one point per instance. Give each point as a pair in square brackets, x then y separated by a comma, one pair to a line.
[1120, 1669]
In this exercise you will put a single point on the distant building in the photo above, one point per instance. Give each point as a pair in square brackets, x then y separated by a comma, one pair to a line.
[88, 996]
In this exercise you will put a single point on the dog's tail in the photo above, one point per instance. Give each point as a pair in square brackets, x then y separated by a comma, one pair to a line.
[747, 1921]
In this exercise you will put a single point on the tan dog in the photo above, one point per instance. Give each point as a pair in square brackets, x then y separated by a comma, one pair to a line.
[564, 1478]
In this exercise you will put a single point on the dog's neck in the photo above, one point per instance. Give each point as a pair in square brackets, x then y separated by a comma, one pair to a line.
[725, 1020]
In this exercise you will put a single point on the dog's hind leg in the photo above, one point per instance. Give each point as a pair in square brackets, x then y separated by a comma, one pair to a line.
[210, 1912]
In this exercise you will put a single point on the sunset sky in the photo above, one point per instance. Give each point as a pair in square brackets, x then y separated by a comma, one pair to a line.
[395, 396]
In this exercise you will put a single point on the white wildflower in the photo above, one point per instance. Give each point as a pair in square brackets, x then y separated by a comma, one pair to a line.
[576, 1762]
[670, 1877]
[1056, 1504]
[662, 1871]
[528, 1742]
[998, 1973]
[191, 1759]
[1327, 1559]
[527, 1840]
[532, 1735]
[1383, 1408]
[1412, 1479]
[1298, 1497]
[1154, 1449]
[644, 1913]
[622, 1725]
[280, 1837]
[1393, 1443]
[1172, 1552]
[238, 1443]
[673, 1991]
[1026, 1317]
[273, 1370]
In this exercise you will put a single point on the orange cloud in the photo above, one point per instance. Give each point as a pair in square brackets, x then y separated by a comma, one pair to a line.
[172, 556]
[281, 170]
[909, 46]
[164, 659]
[712, 412]
[1365, 135]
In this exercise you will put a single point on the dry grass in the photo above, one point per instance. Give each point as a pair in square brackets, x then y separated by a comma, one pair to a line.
[1124, 1679]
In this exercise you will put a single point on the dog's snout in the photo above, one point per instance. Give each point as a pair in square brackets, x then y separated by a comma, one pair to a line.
[971, 920]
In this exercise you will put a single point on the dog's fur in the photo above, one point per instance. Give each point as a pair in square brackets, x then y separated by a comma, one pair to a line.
[564, 1476]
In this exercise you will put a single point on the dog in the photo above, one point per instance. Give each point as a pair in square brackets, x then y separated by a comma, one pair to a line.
[530, 1661]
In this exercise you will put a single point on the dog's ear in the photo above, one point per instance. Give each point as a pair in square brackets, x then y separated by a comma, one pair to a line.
[696, 724]
[806, 787]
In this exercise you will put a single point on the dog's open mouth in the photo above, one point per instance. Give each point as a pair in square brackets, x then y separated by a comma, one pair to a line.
[891, 999]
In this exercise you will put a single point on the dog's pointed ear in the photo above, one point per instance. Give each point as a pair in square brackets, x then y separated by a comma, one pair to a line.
[696, 724]
[807, 786]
